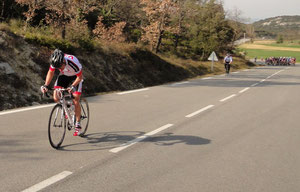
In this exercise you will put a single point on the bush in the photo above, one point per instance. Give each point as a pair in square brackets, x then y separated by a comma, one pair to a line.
[49, 42]
[86, 44]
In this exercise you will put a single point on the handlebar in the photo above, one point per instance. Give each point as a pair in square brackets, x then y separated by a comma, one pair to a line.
[61, 91]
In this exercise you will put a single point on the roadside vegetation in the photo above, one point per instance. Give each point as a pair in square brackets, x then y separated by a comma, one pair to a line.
[188, 29]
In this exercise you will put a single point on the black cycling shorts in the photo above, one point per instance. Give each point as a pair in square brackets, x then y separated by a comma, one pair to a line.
[64, 81]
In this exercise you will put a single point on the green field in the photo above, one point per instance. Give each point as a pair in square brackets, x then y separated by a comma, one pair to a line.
[283, 45]
[265, 53]
[259, 53]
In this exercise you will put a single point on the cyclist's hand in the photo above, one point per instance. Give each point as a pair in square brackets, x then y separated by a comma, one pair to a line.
[71, 89]
[44, 89]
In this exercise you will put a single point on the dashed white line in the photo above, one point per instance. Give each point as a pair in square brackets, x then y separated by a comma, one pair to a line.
[133, 91]
[226, 98]
[48, 182]
[25, 109]
[130, 143]
[200, 111]
[246, 89]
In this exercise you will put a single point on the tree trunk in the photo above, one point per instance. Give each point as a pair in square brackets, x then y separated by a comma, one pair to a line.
[63, 32]
[2, 10]
[159, 41]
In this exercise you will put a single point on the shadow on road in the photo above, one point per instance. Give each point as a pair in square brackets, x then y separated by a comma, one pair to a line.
[109, 140]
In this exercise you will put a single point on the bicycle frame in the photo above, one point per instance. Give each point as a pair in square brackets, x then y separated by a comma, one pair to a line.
[61, 94]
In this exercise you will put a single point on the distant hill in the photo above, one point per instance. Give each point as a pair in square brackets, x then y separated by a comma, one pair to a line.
[287, 26]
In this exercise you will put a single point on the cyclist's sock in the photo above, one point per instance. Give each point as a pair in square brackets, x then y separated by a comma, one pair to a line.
[77, 125]
[77, 129]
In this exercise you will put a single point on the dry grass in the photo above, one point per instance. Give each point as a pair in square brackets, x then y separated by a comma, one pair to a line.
[4, 27]
[203, 68]
[265, 47]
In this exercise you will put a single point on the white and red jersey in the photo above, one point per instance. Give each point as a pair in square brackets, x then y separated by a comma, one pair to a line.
[73, 66]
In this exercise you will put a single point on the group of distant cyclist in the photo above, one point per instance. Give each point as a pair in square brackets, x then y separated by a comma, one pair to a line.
[280, 61]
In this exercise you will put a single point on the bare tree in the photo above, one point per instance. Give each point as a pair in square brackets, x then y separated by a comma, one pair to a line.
[113, 33]
[33, 6]
[158, 15]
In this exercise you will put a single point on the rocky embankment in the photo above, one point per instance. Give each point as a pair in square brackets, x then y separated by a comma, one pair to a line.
[23, 68]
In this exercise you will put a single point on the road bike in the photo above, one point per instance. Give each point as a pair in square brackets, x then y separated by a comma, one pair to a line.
[62, 117]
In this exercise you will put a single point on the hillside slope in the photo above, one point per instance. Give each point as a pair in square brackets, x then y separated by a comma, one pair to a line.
[24, 67]
[288, 26]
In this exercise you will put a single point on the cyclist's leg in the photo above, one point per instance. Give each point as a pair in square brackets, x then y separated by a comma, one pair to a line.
[61, 82]
[227, 67]
[76, 100]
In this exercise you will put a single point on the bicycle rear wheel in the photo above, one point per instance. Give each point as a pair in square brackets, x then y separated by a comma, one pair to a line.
[85, 116]
[56, 126]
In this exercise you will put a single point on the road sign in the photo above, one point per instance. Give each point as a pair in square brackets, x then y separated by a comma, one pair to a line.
[213, 57]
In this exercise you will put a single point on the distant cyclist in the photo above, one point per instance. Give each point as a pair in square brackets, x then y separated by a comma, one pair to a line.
[70, 77]
[227, 61]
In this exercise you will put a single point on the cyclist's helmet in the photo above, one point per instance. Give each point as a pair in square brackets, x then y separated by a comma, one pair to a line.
[57, 58]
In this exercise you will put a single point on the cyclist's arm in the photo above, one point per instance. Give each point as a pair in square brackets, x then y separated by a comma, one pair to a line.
[49, 77]
[77, 80]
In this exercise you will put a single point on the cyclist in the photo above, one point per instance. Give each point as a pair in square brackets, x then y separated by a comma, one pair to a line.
[227, 61]
[70, 77]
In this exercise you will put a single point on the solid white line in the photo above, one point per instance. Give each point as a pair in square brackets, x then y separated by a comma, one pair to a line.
[246, 89]
[48, 182]
[199, 111]
[184, 82]
[25, 109]
[206, 78]
[130, 143]
[229, 97]
[133, 91]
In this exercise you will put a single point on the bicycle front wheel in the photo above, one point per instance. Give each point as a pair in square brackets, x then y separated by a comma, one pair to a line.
[57, 126]
[85, 116]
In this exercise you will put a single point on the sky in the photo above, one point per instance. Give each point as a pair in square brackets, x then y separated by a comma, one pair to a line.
[261, 9]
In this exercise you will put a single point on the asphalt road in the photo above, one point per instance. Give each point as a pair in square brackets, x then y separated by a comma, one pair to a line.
[225, 133]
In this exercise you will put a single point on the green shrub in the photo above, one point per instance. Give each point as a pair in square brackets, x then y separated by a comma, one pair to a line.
[49, 42]
[86, 44]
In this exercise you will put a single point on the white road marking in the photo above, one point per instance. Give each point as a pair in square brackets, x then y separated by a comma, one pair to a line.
[48, 182]
[254, 84]
[229, 97]
[262, 80]
[235, 72]
[180, 83]
[206, 78]
[133, 91]
[25, 109]
[200, 111]
[130, 143]
[246, 89]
